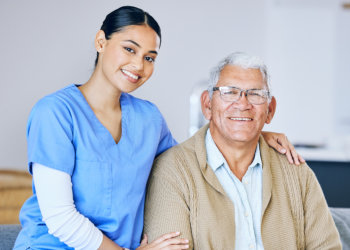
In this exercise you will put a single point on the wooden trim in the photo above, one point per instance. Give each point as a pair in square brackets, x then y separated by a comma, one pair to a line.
[14, 179]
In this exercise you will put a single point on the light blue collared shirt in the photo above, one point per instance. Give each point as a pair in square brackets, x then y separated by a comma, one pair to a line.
[246, 195]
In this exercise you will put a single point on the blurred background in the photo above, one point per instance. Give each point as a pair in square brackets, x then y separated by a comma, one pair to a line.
[46, 45]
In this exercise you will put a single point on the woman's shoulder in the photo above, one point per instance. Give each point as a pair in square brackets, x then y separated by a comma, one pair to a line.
[62, 94]
[61, 101]
[142, 106]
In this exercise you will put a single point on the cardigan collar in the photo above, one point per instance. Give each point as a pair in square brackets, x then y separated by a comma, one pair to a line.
[210, 177]
[267, 176]
[201, 153]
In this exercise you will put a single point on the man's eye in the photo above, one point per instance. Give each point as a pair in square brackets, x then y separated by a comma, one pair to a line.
[149, 59]
[259, 93]
[227, 92]
[255, 94]
[129, 49]
[231, 92]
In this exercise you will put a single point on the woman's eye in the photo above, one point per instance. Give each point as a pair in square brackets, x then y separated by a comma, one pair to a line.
[149, 59]
[129, 50]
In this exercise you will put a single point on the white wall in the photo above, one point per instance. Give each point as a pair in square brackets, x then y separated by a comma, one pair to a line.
[342, 72]
[301, 56]
[46, 45]
[307, 50]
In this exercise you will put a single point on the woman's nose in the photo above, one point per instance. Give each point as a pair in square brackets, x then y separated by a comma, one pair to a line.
[137, 62]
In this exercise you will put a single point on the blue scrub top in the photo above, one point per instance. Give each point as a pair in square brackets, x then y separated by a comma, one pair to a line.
[109, 179]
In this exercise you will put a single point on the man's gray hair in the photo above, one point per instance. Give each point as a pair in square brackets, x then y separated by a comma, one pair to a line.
[242, 60]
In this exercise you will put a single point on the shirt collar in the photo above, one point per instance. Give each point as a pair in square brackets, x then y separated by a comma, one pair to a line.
[215, 158]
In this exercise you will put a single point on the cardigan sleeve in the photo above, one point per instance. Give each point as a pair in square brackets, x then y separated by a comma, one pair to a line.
[167, 201]
[320, 229]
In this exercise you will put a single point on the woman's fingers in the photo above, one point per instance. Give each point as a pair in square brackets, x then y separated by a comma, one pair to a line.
[301, 159]
[294, 155]
[274, 142]
[280, 142]
[290, 150]
[144, 240]
[283, 141]
[169, 241]
[174, 243]
[291, 153]
[166, 236]
[289, 157]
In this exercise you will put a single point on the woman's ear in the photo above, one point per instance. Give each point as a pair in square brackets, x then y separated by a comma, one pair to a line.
[206, 105]
[271, 110]
[100, 41]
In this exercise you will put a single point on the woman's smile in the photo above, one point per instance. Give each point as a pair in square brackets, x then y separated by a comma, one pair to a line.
[132, 77]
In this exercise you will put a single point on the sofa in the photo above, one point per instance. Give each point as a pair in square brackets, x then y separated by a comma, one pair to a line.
[341, 216]
[16, 187]
[8, 235]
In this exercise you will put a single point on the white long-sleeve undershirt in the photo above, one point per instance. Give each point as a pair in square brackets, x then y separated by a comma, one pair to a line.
[55, 198]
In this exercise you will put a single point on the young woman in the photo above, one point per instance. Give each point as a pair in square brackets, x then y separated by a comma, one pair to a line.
[91, 148]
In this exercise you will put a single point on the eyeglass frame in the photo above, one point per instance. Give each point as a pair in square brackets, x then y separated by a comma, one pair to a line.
[266, 93]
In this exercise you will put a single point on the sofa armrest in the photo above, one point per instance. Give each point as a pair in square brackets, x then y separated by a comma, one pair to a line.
[341, 217]
[8, 235]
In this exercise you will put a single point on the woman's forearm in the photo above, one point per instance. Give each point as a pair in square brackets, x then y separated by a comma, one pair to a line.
[55, 198]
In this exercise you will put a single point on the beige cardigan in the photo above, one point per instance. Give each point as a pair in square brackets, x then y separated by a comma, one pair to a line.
[185, 195]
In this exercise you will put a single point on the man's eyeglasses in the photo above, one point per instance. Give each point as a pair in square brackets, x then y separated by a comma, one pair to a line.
[232, 94]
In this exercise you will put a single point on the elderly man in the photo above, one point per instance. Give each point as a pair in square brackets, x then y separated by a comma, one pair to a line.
[225, 188]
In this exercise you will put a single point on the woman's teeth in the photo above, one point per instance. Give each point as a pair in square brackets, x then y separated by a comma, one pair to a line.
[130, 74]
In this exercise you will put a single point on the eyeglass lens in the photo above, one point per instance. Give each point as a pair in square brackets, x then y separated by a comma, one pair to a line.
[253, 96]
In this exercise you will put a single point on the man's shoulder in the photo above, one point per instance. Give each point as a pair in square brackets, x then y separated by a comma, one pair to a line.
[184, 157]
[177, 153]
[278, 163]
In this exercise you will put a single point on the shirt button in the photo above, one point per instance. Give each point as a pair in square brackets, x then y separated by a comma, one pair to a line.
[246, 214]
[246, 182]
[251, 246]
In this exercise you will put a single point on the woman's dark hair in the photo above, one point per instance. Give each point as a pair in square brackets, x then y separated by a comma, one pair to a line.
[125, 16]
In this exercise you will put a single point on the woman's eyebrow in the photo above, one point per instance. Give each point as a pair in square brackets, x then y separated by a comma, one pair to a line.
[138, 45]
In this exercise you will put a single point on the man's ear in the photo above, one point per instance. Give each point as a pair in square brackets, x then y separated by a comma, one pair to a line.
[206, 105]
[100, 41]
[271, 110]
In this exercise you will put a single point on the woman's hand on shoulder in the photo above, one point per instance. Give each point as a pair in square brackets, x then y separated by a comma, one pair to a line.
[166, 241]
[280, 142]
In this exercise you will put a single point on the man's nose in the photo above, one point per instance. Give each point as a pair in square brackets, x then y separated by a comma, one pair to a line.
[242, 102]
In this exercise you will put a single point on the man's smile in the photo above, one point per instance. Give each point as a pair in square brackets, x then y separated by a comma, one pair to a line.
[240, 118]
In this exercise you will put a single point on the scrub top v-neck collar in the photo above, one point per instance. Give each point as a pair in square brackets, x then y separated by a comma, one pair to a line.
[105, 136]
[108, 179]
